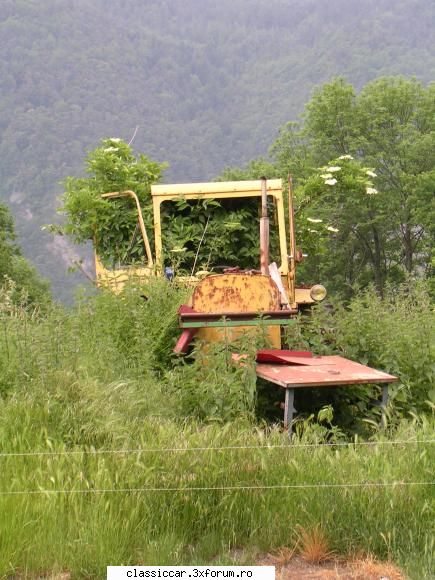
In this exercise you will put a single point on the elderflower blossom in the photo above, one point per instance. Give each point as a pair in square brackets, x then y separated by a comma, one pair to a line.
[371, 173]
[371, 191]
[345, 157]
[312, 231]
[115, 139]
[334, 168]
[330, 182]
[331, 229]
[314, 220]
[110, 149]
[326, 176]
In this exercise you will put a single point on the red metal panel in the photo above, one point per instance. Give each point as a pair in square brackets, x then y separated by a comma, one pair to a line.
[184, 341]
[293, 357]
[276, 355]
[327, 371]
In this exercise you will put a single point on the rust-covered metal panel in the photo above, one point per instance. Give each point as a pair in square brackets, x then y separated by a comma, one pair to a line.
[236, 292]
[328, 371]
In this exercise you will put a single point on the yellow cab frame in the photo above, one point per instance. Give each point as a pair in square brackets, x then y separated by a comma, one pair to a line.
[289, 255]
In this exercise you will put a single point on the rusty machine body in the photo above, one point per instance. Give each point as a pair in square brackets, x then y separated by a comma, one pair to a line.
[270, 290]
[227, 304]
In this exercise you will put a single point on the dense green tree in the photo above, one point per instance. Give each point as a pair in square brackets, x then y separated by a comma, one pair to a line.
[28, 285]
[396, 133]
[208, 88]
[110, 223]
[388, 126]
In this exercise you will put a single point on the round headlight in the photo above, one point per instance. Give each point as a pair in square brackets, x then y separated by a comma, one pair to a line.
[318, 292]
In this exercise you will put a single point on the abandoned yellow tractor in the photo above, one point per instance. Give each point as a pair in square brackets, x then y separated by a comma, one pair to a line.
[236, 295]
[230, 303]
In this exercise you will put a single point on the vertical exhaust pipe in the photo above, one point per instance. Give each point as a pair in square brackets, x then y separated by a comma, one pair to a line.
[264, 230]
[292, 240]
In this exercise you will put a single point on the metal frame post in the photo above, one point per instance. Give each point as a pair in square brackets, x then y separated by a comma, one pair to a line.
[384, 403]
[289, 409]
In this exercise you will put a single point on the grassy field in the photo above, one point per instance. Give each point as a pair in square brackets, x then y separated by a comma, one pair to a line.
[114, 453]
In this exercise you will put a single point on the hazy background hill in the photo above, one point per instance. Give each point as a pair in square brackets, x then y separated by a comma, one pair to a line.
[208, 83]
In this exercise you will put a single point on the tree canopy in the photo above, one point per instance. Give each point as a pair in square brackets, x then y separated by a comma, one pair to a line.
[28, 286]
[364, 165]
[389, 128]
[208, 88]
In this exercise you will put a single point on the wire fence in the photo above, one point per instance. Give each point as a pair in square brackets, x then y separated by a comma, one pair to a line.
[228, 488]
[290, 446]
[323, 486]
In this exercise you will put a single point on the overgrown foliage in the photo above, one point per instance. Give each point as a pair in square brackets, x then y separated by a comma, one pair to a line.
[395, 334]
[92, 379]
[197, 235]
[111, 223]
[389, 128]
[213, 234]
[28, 286]
[108, 339]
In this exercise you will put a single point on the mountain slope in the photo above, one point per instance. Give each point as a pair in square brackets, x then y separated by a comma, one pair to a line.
[207, 83]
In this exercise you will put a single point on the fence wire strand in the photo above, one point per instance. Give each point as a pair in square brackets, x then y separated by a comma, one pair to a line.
[289, 446]
[378, 484]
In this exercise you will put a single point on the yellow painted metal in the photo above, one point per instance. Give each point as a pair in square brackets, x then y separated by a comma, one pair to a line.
[213, 189]
[220, 190]
[238, 292]
[303, 296]
[129, 193]
[115, 280]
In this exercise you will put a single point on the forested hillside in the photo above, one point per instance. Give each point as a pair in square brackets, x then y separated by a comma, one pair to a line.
[207, 83]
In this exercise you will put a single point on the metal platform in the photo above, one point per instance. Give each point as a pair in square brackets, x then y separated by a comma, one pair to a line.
[320, 371]
[293, 370]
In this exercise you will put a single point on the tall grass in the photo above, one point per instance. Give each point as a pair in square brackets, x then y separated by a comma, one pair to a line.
[84, 532]
[101, 376]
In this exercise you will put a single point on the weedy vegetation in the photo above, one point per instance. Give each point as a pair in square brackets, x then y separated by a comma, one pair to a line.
[113, 451]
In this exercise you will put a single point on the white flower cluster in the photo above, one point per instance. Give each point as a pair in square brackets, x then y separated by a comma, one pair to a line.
[330, 179]
[329, 175]
[319, 221]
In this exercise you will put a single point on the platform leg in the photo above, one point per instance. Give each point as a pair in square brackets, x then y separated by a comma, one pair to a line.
[289, 409]
[384, 403]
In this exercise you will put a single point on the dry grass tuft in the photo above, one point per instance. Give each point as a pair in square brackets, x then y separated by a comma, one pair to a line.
[282, 556]
[368, 568]
[314, 545]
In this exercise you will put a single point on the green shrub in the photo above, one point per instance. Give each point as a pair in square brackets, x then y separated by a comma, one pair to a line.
[211, 386]
[394, 334]
[100, 376]
[112, 167]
